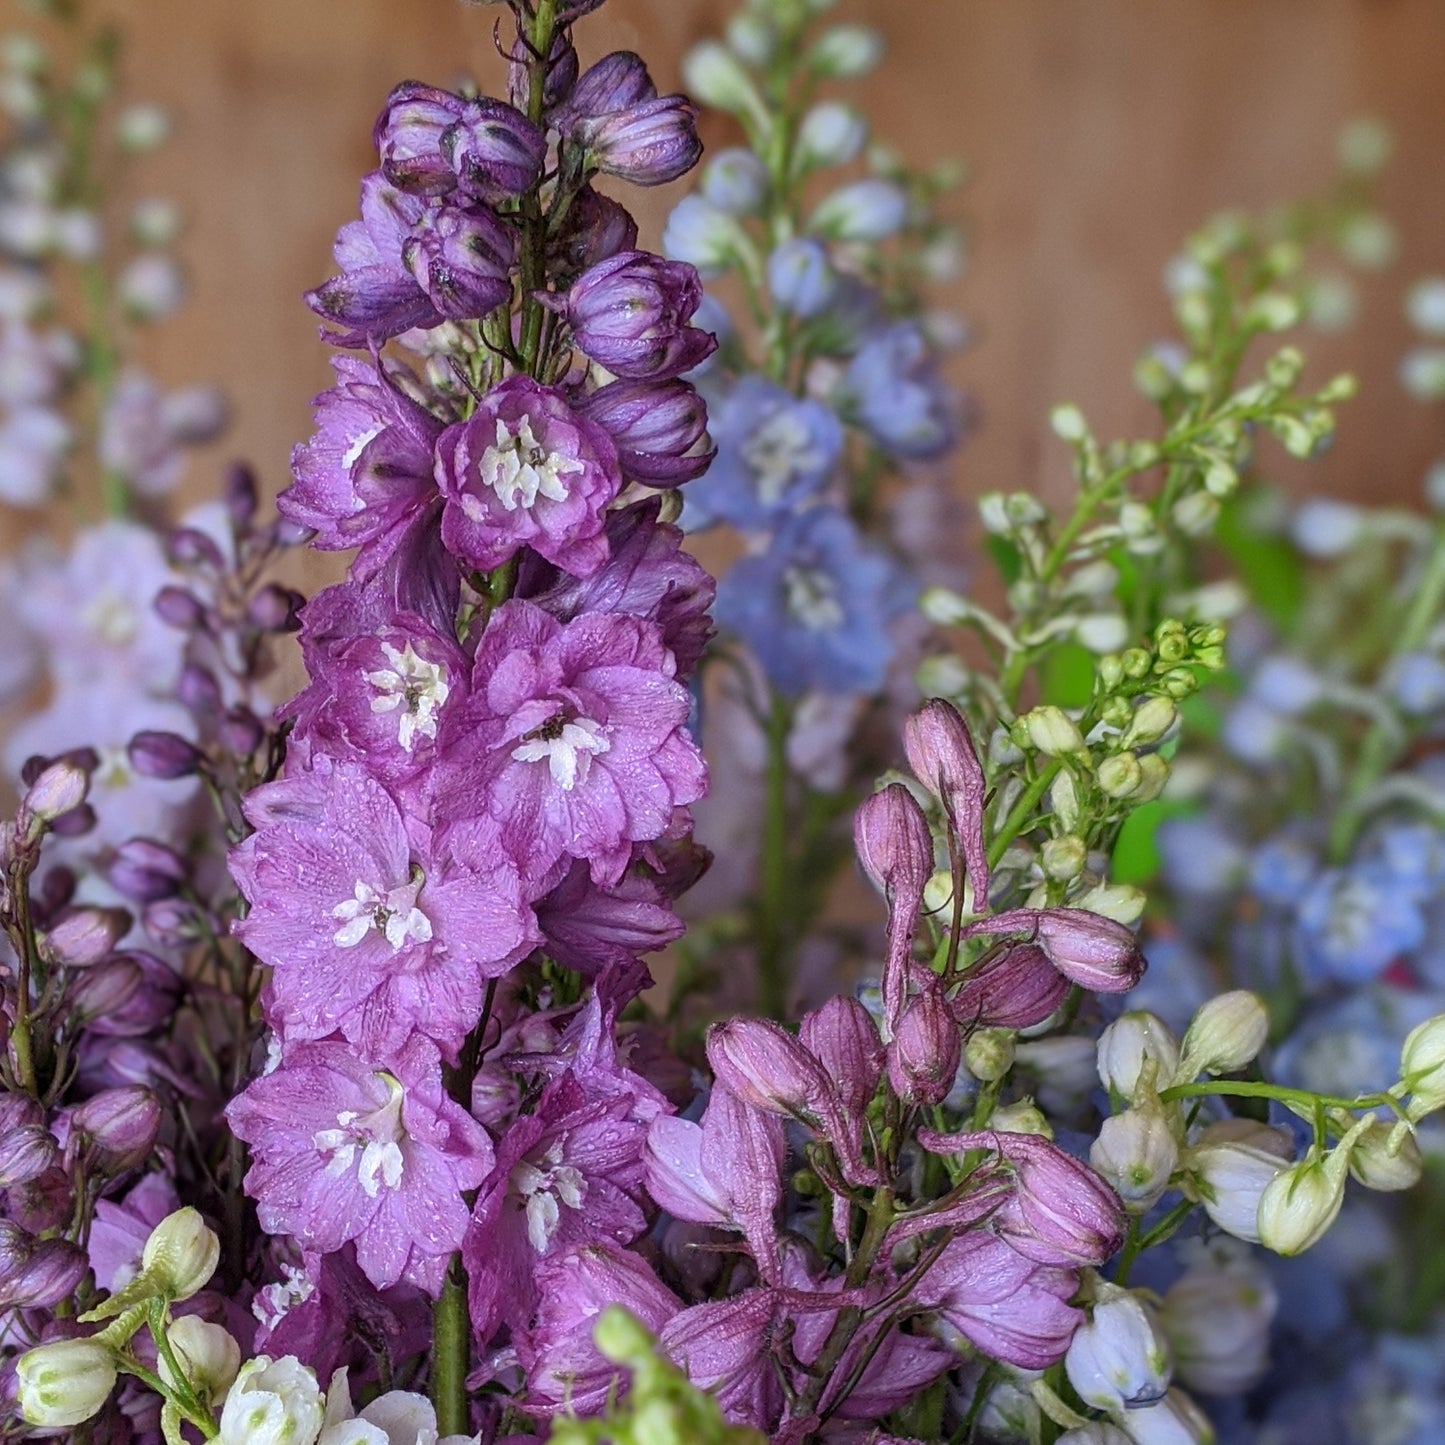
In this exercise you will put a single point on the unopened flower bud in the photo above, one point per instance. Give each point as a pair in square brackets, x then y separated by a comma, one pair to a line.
[83, 936]
[830, 134]
[181, 1254]
[144, 870]
[272, 1402]
[207, 1354]
[64, 1383]
[50, 1271]
[142, 128]
[1119, 1357]
[1127, 1044]
[1064, 858]
[1121, 904]
[275, 609]
[60, 788]
[120, 1124]
[1052, 731]
[1233, 1164]
[151, 287]
[843, 1038]
[1137, 1153]
[1152, 719]
[1023, 1116]
[892, 838]
[181, 609]
[242, 732]
[767, 1067]
[1015, 989]
[1217, 1318]
[801, 279]
[1422, 1066]
[846, 52]
[869, 210]
[164, 755]
[1068, 423]
[736, 181]
[989, 1055]
[1119, 775]
[1225, 1034]
[1153, 775]
[1174, 1420]
[1090, 949]
[703, 235]
[923, 1054]
[1300, 1203]
[1386, 1157]
[714, 76]
[155, 221]
[26, 1152]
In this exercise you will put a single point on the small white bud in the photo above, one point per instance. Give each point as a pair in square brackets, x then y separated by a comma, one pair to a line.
[1119, 1357]
[713, 75]
[1299, 1205]
[151, 287]
[1064, 858]
[1131, 1042]
[1175, 1420]
[1151, 721]
[1023, 1116]
[1425, 305]
[1122, 902]
[272, 1402]
[1068, 423]
[1234, 1162]
[846, 52]
[1225, 1034]
[944, 675]
[1217, 1316]
[206, 1353]
[155, 221]
[830, 134]
[1064, 799]
[1136, 1153]
[1386, 1157]
[66, 1382]
[993, 513]
[1120, 775]
[181, 1254]
[989, 1053]
[1422, 1066]
[143, 128]
[1101, 632]
[1052, 731]
[1196, 513]
[752, 37]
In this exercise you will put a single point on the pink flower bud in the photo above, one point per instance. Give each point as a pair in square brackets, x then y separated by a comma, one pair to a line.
[83, 936]
[57, 790]
[51, 1272]
[924, 1052]
[25, 1154]
[180, 609]
[764, 1065]
[130, 995]
[241, 497]
[1014, 989]
[164, 755]
[941, 753]
[144, 870]
[1088, 949]
[843, 1038]
[120, 1125]
[242, 732]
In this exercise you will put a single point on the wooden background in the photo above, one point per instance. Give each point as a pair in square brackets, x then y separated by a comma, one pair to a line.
[1099, 132]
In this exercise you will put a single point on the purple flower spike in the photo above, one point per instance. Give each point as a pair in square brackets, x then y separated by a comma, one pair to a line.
[630, 313]
[942, 756]
[527, 470]
[896, 850]
[657, 429]
[1014, 989]
[1061, 1212]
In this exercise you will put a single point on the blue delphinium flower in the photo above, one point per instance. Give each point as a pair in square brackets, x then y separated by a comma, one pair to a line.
[1199, 856]
[893, 390]
[1282, 870]
[815, 607]
[1355, 921]
[774, 453]
[1348, 1047]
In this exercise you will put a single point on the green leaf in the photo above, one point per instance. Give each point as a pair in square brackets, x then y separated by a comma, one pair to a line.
[1136, 851]
[1005, 557]
[1068, 676]
[1269, 566]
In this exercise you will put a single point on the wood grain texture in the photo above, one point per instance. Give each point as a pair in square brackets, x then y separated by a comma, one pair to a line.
[1099, 133]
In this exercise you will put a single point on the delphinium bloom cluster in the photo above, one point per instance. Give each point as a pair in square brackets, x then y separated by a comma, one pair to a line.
[827, 406]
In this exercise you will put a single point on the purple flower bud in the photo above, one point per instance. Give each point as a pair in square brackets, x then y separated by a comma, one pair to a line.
[84, 936]
[75, 822]
[26, 1153]
[558, 79]
[941, 753]
[408, 135]
[1014, 989]
[86, 759]
[495, 152]
[765, 1066]
[843, 1038]
[179, 609]
[120, 1125]
[647, 144]
[1091, 950]
[924, 1052]
[1060, 1213]
[102, 991]
[240, 493]
[656, 427]
[191, 547]
[242, 732]
[144, 870]
[164, 755]
[630, 315]
[462, 260]
[896, 849]
[199, 690]
[616, 82]
[596, 228]
[173, 922]
[275, 608]
[57, 790]
[52, 1273]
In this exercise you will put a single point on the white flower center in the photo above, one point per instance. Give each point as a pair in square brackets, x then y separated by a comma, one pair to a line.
[112, 619]
[811, 597]
[413, 688]
[358, 446]
[275, 1301]
[395, 916]
[568, 747]
[369, 1143]
[777, 453]
[519, 469]
[542, 1184]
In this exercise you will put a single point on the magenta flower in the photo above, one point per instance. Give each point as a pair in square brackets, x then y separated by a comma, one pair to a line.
[630, 314]
[527, 470]
[726, 1347]
[573, 740]
[369, 931]
[365, 477]
[1088, 949]
[589, 928]
[343, 1150]
[1012, 1308]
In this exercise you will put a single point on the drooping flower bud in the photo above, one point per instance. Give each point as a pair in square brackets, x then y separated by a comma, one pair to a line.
[626, 129]
[83, 936]
[1119, 1357]
[143, 870]
[1137, 1153]
[1300, 1203]
[64, 1383]
[940, 751]
[120, 1125]
[1013, 989]
[1422, 1066]
[60, 787]
[924, 1051]
[767, 1067]
[181, 1254]
[208, 1355]
[164, 755]
[1233, 1163]
[1131, 1041]
[1386, 1157]
[843, 1038]
[272, 1402]
[1090, 950]
[655, 426]
[1225, 1034]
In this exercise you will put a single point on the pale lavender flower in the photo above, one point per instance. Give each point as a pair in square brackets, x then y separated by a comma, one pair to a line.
[33, 444]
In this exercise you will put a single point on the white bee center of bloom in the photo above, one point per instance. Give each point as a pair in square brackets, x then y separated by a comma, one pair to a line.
[414, 689]
[112, 619]
[811, 597]
[519, 469]
[394, 915]
[358, 446]
[542, 1184]
[777, 453]
[369, 1143]
[568, 747]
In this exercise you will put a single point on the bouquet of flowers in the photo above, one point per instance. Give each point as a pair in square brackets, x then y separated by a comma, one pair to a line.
[339, 1104]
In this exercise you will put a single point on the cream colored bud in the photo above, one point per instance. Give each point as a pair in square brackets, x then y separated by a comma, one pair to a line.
[1152, 719]
[1386, 1157]
[1233, 1163]
[206, 1353]
[1299, 1205]
[1068, 423]
[1133, 1042]
[1225, 1034]
[63, 1383]
[1021, 1117]
[1064, 858]
[1052, 731]
[1154, 773]
[1120, 901]
[1064, 799]
[989, 1053]
[181, 1254]
[1120, 775]
[1422, 1066]
[1136, 1153]
[1101, 632]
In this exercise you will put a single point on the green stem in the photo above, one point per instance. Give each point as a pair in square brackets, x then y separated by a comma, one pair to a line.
[451, 1353]
[773, 928]
[1249, 1089]
[1020, 813]
[26, 959]
[540, 32]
